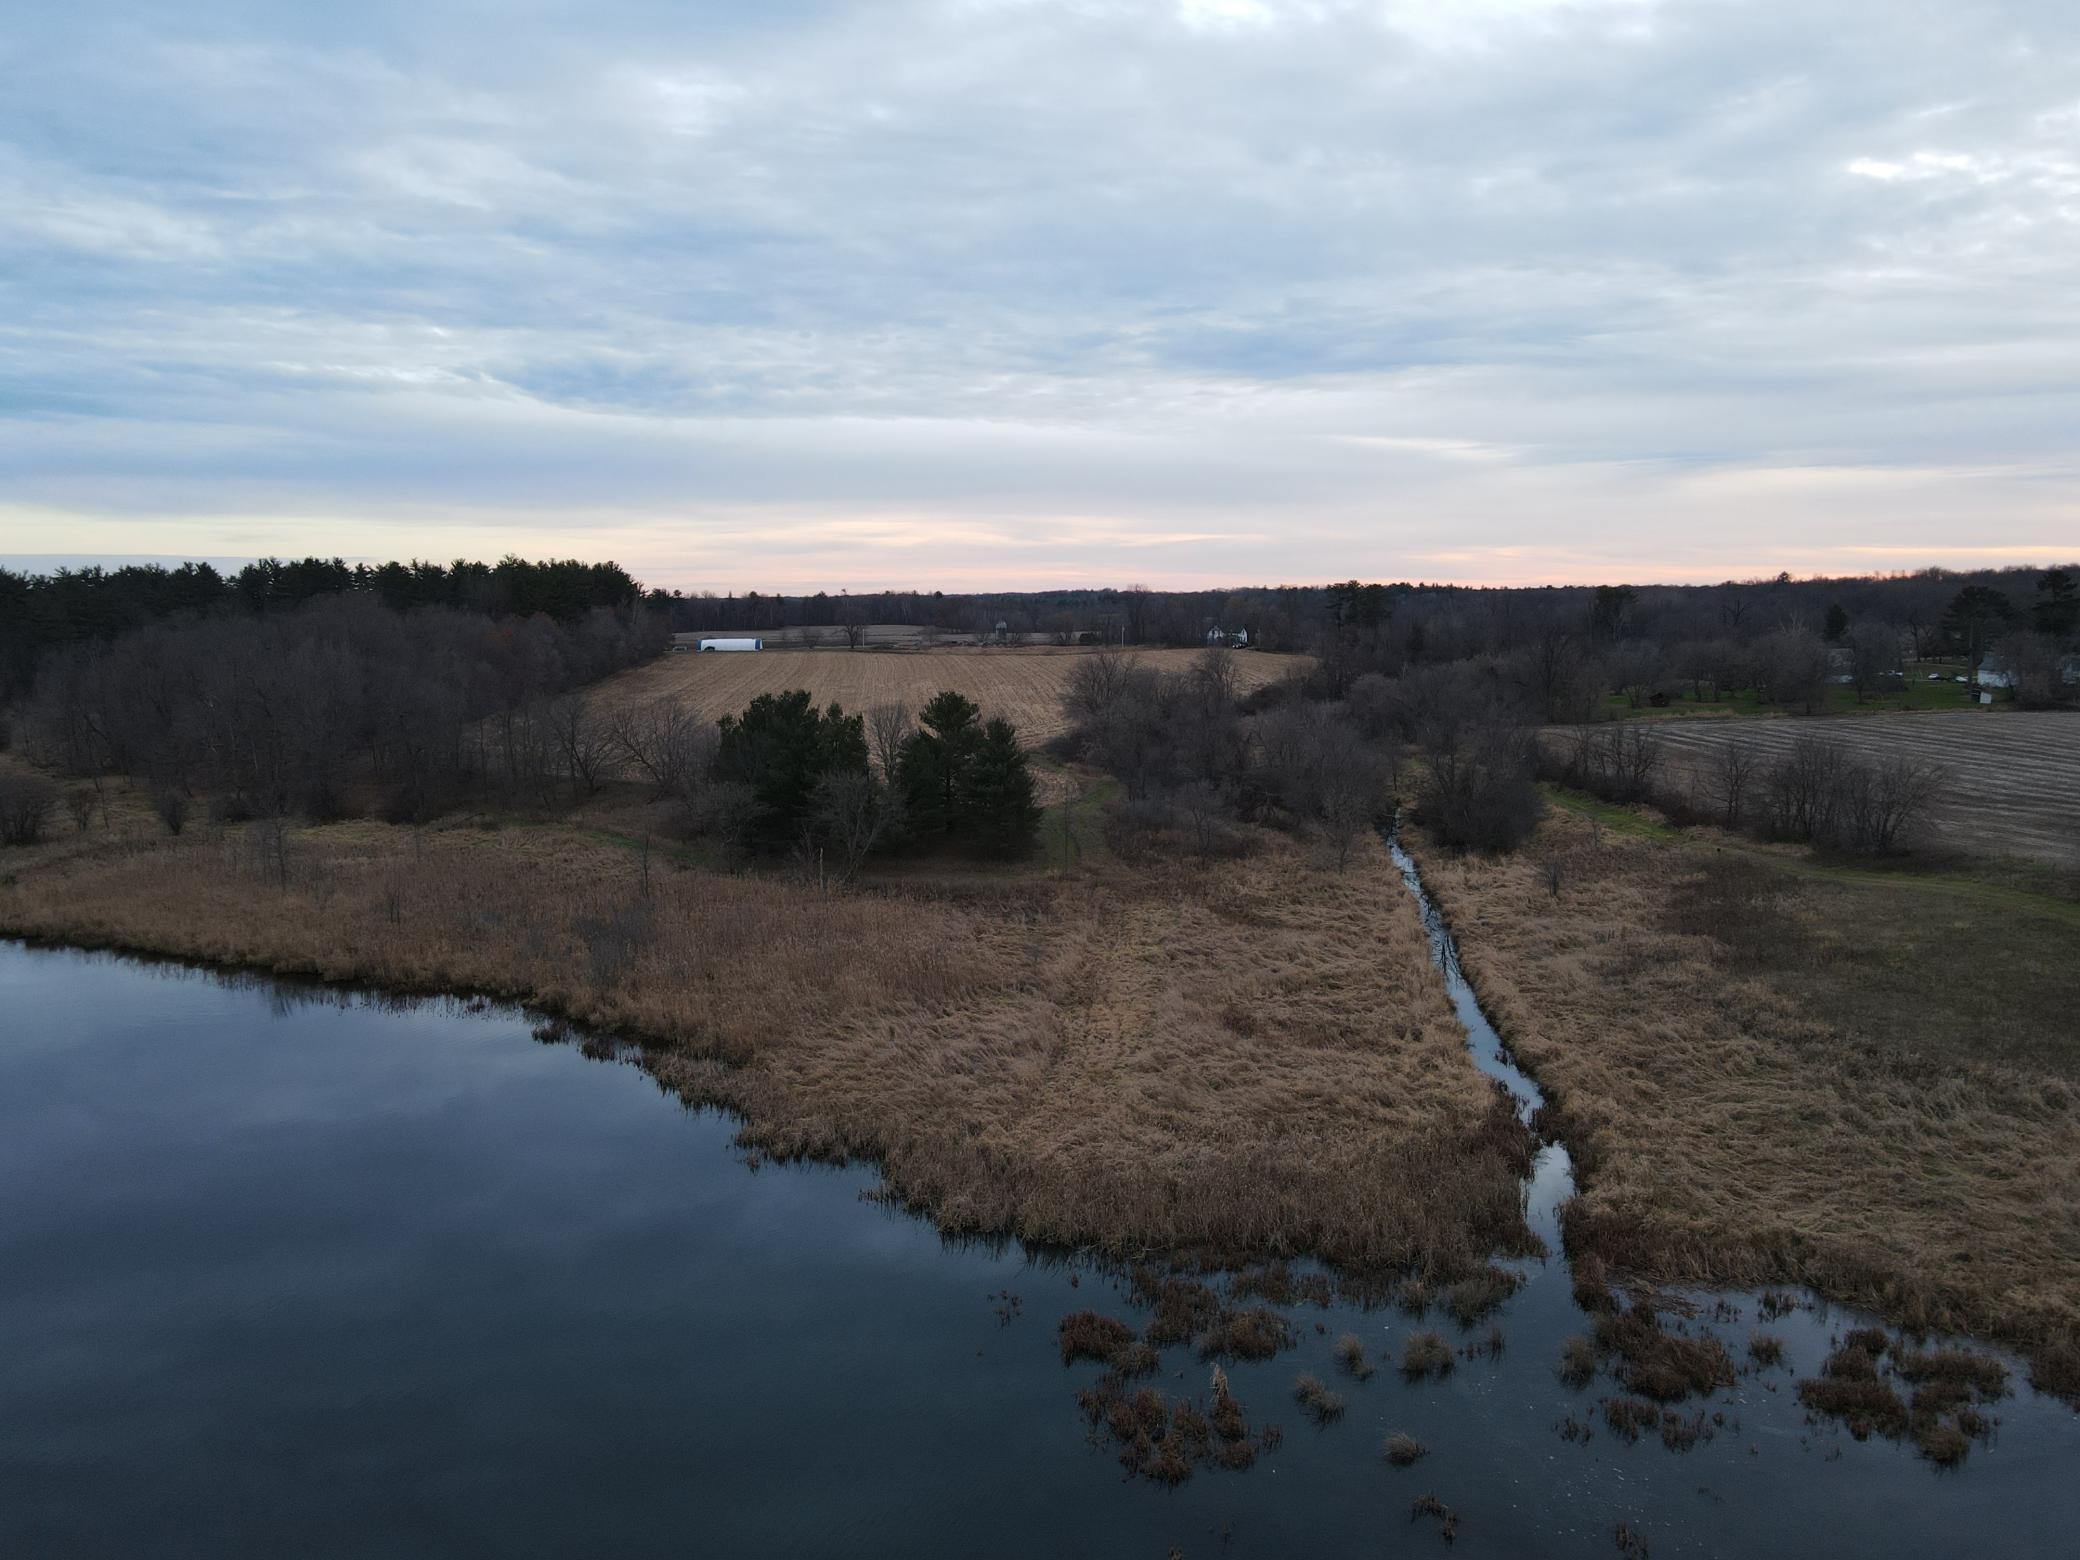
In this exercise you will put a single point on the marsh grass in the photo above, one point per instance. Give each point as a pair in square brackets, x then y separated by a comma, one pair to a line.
[1719, 1031]
[1039, 1057]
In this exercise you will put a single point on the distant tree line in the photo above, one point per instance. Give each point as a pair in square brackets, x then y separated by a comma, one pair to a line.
[1572, 645]
[342, 704]
[1355, 627]
[40, 612]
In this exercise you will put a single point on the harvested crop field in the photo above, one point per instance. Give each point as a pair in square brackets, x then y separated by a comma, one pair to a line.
[1022, 685]
[2013, 776]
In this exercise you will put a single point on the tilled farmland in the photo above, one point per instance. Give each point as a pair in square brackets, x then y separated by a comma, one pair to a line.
[2012, 778]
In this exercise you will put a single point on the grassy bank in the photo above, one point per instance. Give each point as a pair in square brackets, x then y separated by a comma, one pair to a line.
[1241, 1061]
[1772, 1070]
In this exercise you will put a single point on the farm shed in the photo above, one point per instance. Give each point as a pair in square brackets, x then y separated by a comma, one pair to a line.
[732, 644]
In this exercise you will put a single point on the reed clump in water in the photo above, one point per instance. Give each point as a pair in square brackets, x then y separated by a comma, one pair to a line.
[1163, 1439]
[1245, 1333]
[1474, 1297]
[1313, 1395]
[1402, 1449]
[1085, 1335]
[1577, 1362]
[1183, 1307]
[1942, 1418]
[1426, 1354]
[1849, 1388]
[1766, 1349]
[1660, 1364]
[1350, 1354]
[1447, 1519]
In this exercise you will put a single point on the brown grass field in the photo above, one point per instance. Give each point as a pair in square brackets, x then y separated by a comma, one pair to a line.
[1775, 1072]
[1253, 1059]
[1023, 685]
[2013, 776]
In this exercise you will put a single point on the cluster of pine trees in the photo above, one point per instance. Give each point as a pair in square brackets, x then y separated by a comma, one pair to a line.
[797, 776]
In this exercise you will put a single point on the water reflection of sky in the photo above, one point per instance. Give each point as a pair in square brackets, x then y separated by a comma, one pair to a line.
[300, 1277]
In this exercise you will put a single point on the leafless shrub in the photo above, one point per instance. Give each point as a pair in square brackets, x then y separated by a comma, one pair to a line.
[1729, 778]
[82, 802]
[1823, 794]
[721, 810]
[854, 812]
[1619, 760]
[586, 743]
[26, 803]
[172, 805]
[663, 741]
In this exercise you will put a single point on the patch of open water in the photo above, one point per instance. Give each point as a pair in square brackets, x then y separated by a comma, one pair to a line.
[295, 1272]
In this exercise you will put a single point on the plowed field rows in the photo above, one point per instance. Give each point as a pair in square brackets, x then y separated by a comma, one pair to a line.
[2013, 785]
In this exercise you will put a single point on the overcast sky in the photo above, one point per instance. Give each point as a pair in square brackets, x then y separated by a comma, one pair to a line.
[772, 293]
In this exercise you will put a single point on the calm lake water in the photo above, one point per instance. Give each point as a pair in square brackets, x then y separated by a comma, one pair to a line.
[337, 1276]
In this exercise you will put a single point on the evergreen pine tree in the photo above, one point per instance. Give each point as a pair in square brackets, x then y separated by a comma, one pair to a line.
[997, 803]
[2057, 610]
[933, 762]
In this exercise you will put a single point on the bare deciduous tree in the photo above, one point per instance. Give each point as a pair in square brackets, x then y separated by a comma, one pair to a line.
[585, 744]
[852, 812]
[888, 728]
[1730, 777]
[662, 740]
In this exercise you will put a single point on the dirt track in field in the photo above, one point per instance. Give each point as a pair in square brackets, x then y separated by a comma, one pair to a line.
[1022, 685]
[2013, 776]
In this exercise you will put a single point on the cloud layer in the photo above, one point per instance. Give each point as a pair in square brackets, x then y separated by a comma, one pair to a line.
[1003, 291]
